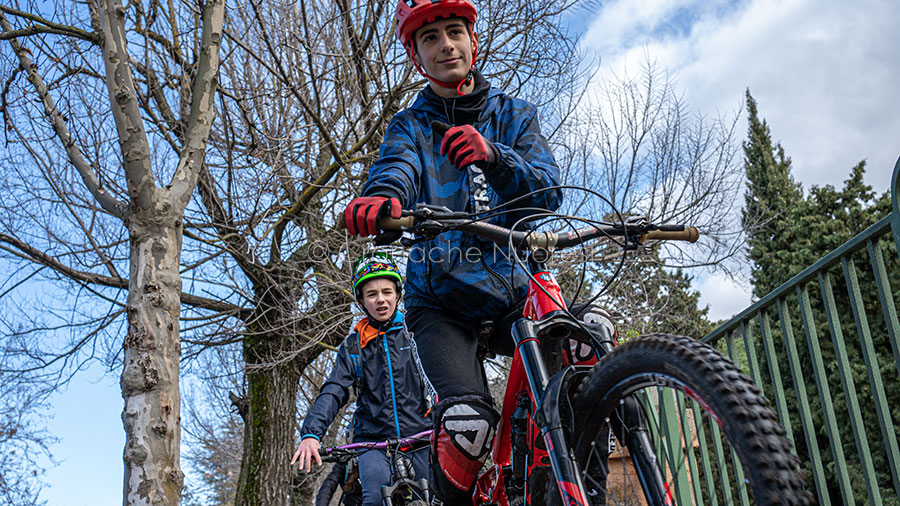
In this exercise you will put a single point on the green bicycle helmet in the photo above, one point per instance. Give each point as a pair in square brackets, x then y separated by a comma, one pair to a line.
[375, 265]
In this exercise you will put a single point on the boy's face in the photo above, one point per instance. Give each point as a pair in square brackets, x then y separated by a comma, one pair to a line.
[380, 297]
[444, 49]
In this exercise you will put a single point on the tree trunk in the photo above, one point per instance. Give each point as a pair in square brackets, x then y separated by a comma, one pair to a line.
[265, 478]
[152, 352]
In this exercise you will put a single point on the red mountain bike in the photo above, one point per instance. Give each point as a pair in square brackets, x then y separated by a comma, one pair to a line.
[561, 419]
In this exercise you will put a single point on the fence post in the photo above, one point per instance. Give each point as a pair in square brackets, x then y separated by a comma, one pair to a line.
[895, 205]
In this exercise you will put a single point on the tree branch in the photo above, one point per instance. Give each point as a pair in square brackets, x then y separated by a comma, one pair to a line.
[49, 27]
[106, 200]
[125, 107]
[27, 252]
[202, 105]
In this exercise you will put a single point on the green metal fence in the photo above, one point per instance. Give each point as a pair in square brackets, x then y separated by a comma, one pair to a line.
[823, 346]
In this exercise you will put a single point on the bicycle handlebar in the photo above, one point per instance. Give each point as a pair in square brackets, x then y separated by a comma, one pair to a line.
[398, 224]
[534, 239]
[347, 451]
[689, 234]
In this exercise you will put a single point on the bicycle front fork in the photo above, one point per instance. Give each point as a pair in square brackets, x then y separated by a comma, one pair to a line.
[547, 393]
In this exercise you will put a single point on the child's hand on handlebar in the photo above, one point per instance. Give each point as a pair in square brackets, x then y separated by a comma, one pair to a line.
[309, 449]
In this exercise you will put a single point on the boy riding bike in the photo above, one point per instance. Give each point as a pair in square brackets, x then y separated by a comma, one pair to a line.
[456, 282]
[376, 359]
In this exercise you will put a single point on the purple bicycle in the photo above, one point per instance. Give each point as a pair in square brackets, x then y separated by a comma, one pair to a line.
[403, 489]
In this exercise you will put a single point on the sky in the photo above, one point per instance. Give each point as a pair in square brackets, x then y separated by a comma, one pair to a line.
[825, 75]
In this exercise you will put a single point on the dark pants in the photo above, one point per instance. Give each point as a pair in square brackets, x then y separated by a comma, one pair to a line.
[375, 472]
[448, 348]
[451, 354]
[464, 418]
[448, 351]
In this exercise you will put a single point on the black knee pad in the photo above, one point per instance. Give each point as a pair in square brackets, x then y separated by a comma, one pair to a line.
[463, 434]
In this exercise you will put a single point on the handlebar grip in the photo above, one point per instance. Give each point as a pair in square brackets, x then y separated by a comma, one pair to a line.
[386, 223]
[403, 223]
[690, 234]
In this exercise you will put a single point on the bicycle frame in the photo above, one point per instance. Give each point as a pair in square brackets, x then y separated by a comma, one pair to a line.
[544, 313]
[538, 417]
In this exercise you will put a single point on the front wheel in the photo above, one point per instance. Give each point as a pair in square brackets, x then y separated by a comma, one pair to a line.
[696, 430]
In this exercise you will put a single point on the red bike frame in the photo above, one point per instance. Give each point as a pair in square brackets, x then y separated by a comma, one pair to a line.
[539, 434]
[544, 299]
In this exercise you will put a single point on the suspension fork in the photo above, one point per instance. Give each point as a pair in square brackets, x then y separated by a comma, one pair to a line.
[631, 429]
[546, 414]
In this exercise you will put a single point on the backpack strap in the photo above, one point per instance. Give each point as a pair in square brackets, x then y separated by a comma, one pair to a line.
[355, 354]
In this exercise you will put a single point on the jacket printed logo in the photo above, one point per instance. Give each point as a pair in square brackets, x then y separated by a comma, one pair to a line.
[479, 190]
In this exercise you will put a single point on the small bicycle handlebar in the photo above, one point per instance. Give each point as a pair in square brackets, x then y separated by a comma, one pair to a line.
[345, 452]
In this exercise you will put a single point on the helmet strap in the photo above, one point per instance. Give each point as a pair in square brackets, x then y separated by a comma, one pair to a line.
[465, 82]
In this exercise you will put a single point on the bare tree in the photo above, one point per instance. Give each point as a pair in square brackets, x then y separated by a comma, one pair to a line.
[118, 184]
[637, 144]
[213, 426]
[306, 90]
[22, 438]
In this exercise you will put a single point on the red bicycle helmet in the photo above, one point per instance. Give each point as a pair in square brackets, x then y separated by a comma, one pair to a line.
[414, 14]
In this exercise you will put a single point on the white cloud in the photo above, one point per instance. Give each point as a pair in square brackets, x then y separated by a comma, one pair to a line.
[824, 73]
[724, 297]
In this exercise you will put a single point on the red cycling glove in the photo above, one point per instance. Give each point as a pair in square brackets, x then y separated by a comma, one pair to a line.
[463, 145]
[362, 213]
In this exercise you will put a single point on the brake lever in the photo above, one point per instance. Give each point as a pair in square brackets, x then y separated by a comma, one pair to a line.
[636, 227]
[428, 211]
[425, 230]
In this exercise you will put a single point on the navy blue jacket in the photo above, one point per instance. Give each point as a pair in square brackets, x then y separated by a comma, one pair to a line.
[390, 401]
[447, 272]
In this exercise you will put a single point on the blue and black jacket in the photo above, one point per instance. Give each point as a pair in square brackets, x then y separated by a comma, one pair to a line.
[390, 398]
[452, 272]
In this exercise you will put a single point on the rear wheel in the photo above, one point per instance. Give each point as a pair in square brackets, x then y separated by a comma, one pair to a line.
[714, 436]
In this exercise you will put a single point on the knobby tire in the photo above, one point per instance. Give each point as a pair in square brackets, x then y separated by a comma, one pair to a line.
[723, 393]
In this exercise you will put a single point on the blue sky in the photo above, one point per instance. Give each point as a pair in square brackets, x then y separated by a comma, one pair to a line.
[824, 73]
[87, 420]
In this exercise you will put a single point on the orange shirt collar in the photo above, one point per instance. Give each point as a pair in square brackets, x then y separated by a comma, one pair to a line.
[366, 332]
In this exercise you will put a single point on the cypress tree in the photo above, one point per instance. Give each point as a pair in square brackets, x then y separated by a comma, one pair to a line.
[771, 197]
[788, 232]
